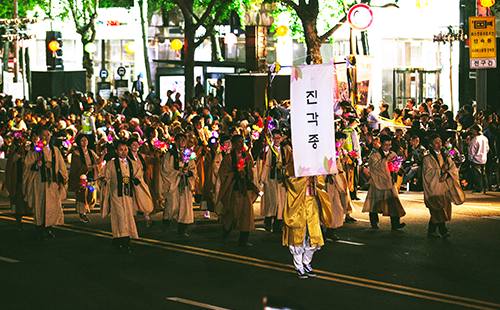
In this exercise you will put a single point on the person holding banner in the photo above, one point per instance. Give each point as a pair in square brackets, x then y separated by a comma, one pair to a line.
[352, 146]
[441, 186]
[272, 182]
[382, 196]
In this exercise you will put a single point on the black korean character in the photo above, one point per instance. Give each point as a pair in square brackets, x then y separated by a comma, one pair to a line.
[314, 117]
[314, 139]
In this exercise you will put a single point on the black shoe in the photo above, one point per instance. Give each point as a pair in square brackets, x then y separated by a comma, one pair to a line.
[50, 234]
[446, 235]
[302, 275]
[374, 226]
[356, 198]
[245, 245]
[310, 272]
[350, 220]
[183, 235]
[398, 226]
[433, 235]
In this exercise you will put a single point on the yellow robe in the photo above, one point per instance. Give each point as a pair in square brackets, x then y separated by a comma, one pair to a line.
[178, 205]
[382, 196]
[338, 194]
[301, 211]
[274, 198]
[120, 209]
[45, 198]
[438, 195]
[237, 208]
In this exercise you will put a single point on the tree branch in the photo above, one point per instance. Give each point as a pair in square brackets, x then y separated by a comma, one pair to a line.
[209, 29]
[207, 12]
[291, 4]
[333, 29]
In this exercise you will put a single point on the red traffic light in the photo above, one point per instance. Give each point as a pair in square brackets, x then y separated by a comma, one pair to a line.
[54, 46]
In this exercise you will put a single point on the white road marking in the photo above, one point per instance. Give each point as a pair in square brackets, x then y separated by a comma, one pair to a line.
[195, 303]
[492, 217]
[9, 260]
[349, 242]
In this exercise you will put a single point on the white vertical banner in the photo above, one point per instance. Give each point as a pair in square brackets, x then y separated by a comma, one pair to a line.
[313, 90]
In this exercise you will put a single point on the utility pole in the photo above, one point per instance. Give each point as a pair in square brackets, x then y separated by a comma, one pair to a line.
[16, 45]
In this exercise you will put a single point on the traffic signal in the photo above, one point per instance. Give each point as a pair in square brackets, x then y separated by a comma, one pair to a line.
[53, 50]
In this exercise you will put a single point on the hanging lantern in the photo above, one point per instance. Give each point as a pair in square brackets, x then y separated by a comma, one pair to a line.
[90, 48]
[53, 46]
[486, 3]
[281, 31]
[230, 39]
[421, 3]
[130, 47]
[176, 45]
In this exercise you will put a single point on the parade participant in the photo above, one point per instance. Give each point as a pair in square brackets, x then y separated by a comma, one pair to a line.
[14, 178]
[382, 196]
[478, 156]
[237, 192]
[179, 169]
[119, 180]
[271, 180]
[212, 162]
[145, 203]
[301, 218]
[338, 192]
[152, 156]
[352, 144]
[441, 184]
[200, 148]
[84, 161]
[44, 178]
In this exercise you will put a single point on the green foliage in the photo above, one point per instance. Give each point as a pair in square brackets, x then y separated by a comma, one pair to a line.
[23, 6]
[127, 4]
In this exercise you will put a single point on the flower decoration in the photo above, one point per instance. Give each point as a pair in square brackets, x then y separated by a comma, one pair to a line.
[337, 144]
[110, 139]
[39, 146]
[212, 140]
[353, 154]
[188, 155]
[11, 123]
[395, 163]
[85, 183]
[242, 163]
[69, 140]
[17, 134]
[223, 148]
[255, 135]
[270, 125]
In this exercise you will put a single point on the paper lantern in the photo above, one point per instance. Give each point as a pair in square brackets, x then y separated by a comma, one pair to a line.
[176, 45]
[281, 31]
[130, 47]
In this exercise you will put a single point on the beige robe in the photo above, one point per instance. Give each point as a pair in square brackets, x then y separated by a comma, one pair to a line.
[236, 208]
[382, 196]
[438, 195]
[85, 199]
[45, 198]
[211, 167]
[13, 182]
[152, 157]
[120, 209]
[178, 205]
[273, 201]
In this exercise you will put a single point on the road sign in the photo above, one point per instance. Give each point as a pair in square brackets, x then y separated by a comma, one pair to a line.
[103, 74]
[483, 63]
[121, 71]
[482, 42]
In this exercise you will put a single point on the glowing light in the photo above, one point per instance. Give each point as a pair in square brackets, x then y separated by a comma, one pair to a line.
[282, 31]
[54, 46]
[130, 47]
[90, 48]
[176, 45]
[486, 3]
[230, 39]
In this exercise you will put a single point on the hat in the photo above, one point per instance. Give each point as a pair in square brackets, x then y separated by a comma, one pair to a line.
[206, 108]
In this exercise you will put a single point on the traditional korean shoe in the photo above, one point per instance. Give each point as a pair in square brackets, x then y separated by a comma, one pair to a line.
[398, 226]
[183, 235]
[350, 220]
[245, 245]
[302, 274]
[84, 218]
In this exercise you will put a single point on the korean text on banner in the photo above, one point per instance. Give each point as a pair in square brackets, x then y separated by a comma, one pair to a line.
[312, 96]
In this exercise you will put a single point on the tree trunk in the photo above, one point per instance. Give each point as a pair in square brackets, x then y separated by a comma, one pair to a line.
[145, 43]
[88, 65]
[188, 52]
[312, 42]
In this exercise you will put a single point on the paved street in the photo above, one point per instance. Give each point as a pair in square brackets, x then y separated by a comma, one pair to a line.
[365, 269]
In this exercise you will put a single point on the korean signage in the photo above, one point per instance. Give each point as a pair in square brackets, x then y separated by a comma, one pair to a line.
[313, 91]
[482, 42]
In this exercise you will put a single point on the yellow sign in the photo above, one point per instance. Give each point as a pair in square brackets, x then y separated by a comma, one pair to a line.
[482, 37]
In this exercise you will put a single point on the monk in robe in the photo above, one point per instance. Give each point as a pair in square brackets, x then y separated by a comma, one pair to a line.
[200, 148]
[441, 184]
[301, 218]
[211, 166]
[14, 178]
[272, 182]
[237, 192]
[119, 180]
[382, 196]
[84, 161]
[152, 157]
[145, 204]
[337, 188]
[179, 169]
[44, 181]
